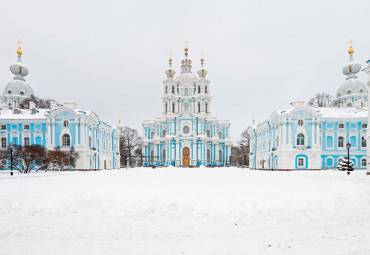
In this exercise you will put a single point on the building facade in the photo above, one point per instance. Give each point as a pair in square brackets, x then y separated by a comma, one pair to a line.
[186, 134]
[62, 127]
[312, 137]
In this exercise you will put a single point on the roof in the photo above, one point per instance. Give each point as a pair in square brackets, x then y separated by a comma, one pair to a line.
[25, 114]
[333, 112]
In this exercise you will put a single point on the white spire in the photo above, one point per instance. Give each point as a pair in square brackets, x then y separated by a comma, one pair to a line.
[202, 72]
[186, 62]
[170, 72]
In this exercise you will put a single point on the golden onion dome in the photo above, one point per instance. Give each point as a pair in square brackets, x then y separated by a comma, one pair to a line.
[19, 51]
[350, 51]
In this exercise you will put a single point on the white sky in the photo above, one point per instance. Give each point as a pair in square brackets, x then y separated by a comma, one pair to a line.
[110, 56]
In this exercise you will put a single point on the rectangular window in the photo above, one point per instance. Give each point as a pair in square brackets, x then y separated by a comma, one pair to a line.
[3, 142]
[26, 127]
[340, 142]
[26, 141]
[341, 125]
[3, 127]
[363, 162]
[300, 162]
[364, 125]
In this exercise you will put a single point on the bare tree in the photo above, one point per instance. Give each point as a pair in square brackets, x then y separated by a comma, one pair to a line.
[25, 158]
[240, 152]
[58, 160]
[42, 103]
[129, 142]
[322, 99]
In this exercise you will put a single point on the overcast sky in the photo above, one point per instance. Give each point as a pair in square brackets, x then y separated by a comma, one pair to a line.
[110, 56]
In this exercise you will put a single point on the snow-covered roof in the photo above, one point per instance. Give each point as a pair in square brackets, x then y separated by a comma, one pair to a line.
[24, 114]
[333, 112]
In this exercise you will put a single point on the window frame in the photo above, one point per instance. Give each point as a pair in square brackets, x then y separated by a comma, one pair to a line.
[66, 140]
[300, 141]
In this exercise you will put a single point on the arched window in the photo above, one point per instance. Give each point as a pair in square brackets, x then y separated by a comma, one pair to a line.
[173, 89]
[205, 89]
[152, 135]
[163, 133]
[208, 133]
[90, 142]
[277, 142]
[186, 107]
[340, 142]
[3, 142]
[186, 92]
[163, 157]
[151, 159]
[173, 107]
[349, 105]
[166, 90]
[198, 89]
[300, 139]
[166, 107]
[220, 156]
[209, 156]
[206, 107]
[66, 140]
[199, 107]
[219, 135]
[363, 142]
[26, 141]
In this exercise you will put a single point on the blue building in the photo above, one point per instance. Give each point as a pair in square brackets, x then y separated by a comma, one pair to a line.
[186, 134]
[312, 137]
[62, 127]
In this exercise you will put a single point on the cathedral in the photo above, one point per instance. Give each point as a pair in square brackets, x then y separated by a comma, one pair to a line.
[57, 127]
[312, 137]
[186, 134]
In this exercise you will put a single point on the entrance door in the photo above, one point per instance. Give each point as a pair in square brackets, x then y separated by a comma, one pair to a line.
[186, 156]
[105, 164]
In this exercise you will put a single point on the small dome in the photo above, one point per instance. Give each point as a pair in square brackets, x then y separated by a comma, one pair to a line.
[18, 87]
[19, 70]
[351, 68]
[170, 72]
[352, 86]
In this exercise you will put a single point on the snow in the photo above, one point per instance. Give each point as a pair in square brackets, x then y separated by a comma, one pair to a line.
[185, 211]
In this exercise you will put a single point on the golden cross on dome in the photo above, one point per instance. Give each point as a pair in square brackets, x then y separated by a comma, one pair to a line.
[170, 55]
[19, 43]
[186, 44]
[202, 54]
[350, 42]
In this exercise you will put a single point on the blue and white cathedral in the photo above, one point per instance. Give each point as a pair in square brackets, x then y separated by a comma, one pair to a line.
[61, 127]
[186, 134]
[312, 137]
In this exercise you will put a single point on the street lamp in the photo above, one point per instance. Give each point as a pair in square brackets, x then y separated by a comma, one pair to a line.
[11, 159]
[348, 145]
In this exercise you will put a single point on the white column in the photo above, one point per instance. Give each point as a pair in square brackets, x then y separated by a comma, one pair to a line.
[290, 131]
[76, 124]
[54, 135]
[82, 125]
[368, 124]
[318, 133]
[313, 132]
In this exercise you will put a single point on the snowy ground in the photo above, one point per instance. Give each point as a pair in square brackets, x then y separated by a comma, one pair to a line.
[172, 211]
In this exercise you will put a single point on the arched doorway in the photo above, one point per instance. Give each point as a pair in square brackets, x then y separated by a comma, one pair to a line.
[186, 156]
